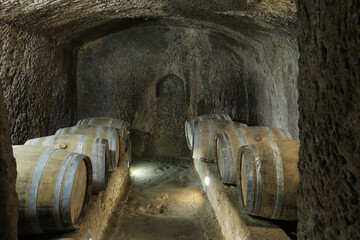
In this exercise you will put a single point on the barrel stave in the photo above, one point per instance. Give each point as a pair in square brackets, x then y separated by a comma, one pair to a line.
[219, 158]
[42, 174]
[96, 149]
[289, 151]
[242, 137]
[190, 125]
[25, 173]
[268, 181]
[122, 125]
[275, 179]
[204, 134]
[109, 133]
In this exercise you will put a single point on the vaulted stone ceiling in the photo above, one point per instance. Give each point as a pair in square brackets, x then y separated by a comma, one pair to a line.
[65, 20]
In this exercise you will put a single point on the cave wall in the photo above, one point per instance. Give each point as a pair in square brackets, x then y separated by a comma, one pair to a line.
[8, 197]
[36, 76]
[251, 77]
[329, 104]
[79, 21]
[121, 73]
[69, 20]
[271, 73]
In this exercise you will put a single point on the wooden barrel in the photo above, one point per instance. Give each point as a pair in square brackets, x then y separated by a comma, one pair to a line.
[204, 135]
[227, 144]
[53, 187]
[109, 133]
[189, 125]
[269, 179]
[122, 125]
[96, 149]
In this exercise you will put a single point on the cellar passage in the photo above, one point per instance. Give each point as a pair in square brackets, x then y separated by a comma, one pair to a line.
[280, 64]
[215, 70]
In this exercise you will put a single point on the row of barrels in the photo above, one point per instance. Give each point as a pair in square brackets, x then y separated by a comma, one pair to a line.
[57, 174]
[260, 161]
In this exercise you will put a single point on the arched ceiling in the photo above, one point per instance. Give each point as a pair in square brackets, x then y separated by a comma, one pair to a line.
[65, 20]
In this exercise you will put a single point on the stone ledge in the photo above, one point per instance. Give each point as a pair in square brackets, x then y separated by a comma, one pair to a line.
[234, 224]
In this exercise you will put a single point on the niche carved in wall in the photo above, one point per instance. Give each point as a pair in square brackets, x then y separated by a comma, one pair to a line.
[169, 86]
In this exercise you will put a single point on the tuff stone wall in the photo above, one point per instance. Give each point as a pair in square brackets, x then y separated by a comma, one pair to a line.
[8, 196]
[65, 21]
[123, 71]
[266, 30]
[271, 72]
[329, 104]
[38, 87]
[253, 78]
[254, 47]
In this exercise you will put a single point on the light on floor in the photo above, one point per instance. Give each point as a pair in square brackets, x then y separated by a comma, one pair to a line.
[207, 181]
[141, 171]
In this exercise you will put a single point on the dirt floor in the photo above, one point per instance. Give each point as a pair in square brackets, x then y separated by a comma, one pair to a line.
[166, 202]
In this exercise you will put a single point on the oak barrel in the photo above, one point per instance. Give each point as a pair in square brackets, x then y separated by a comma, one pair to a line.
[109, 133]
[53, 187]
[204, 135]
[122, 125]
[227, 144]
[190, 125]
[96, 149]
[269, 179]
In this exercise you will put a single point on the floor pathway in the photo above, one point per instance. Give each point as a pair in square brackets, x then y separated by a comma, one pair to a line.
[165, 202]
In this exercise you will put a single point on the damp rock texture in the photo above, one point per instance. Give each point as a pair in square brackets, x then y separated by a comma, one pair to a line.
[62, 60]
[215, 70]
[236, 54]
[38, 89]
[157, 77]
[8, 196]
[68, 20]
[329, 104]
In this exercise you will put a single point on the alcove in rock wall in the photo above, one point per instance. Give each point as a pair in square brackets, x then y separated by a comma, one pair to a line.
[205, 70]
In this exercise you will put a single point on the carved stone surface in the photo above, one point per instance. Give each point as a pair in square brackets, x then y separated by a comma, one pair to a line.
[234, 57]
[170, 86]
[38, 86]
[68, 20]
[122, 71]
[254, 80]
[329, 104]
[8, 197]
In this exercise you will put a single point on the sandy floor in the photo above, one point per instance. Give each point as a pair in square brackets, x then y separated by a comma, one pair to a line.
[166, 202]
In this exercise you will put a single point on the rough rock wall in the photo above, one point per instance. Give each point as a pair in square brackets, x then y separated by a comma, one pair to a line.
[271, 70]
[38, 88]
[252, 77]
[78, 21]
[329, 104]
[65, 20]
[8, 196]
[121, 73]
